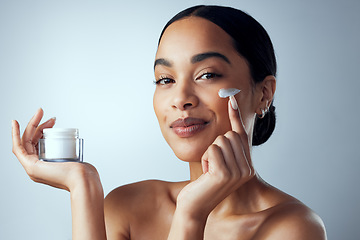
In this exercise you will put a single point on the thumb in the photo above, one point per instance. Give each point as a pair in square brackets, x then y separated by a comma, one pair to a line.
[205, 162]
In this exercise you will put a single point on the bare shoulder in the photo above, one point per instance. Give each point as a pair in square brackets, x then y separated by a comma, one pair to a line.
[134, 197]
[136, 193]
[292, 219]
[129, 203]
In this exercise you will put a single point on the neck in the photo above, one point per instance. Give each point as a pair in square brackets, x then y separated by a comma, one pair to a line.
[248, 198]
[195, 170]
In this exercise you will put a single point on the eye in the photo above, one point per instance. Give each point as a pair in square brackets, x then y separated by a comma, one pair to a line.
[164, 81]
[209, 75]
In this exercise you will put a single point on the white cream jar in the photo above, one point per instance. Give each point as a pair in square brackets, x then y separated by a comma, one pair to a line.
[61, 145]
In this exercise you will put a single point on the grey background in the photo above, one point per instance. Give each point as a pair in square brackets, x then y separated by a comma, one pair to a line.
[89, 63]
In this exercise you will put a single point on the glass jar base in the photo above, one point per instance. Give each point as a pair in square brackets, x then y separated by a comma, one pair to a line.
[61, 149]
[62, 160]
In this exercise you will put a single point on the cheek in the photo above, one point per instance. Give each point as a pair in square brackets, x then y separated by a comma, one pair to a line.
[160, 108]
[219, 107]
[223, 117]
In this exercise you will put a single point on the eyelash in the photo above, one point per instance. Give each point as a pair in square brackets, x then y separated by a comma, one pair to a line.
[212, 75]
[158, 82]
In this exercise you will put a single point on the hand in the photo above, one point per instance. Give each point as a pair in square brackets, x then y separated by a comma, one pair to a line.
[63, 175]
[226, 166]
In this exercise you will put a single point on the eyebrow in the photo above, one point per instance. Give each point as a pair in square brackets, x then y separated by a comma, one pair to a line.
[195, 59]
[162, 61]
[202, 56]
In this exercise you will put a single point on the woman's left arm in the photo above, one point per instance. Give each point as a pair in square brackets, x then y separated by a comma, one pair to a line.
[226, 167]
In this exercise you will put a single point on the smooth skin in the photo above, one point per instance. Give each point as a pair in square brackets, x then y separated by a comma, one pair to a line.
[225, 198]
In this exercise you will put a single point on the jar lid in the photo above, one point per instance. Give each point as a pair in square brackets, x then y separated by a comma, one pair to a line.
[60, 132]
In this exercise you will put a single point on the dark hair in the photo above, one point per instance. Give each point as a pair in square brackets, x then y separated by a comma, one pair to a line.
[252, 42]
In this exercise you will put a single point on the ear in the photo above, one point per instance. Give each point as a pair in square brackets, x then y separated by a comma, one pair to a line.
[266, 90]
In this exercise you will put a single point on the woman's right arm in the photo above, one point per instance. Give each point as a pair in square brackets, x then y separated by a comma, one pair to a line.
[80, 179]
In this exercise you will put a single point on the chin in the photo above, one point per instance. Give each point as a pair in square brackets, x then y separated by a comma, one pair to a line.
[189, 157]
[190, 149]
[189, 153]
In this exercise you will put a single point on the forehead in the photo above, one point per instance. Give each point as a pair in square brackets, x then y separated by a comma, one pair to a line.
[194, 35]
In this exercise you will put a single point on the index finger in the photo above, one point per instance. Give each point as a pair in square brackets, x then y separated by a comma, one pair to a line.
[31, 129]
[237, 124]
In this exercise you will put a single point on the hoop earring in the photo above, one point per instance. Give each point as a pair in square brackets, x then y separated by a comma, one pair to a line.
[263, 113]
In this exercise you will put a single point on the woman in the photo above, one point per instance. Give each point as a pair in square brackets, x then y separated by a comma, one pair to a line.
[201, 50]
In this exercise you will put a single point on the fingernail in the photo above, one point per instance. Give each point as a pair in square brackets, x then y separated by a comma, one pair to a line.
[233, 102]
[54, 118]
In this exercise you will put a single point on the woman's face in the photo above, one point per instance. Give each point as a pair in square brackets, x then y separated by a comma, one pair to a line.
[195, 59]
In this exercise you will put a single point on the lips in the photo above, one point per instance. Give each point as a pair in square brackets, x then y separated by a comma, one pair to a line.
[188, 127]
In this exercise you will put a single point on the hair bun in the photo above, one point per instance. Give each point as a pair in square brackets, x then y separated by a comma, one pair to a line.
[272, 108]
[264, 127]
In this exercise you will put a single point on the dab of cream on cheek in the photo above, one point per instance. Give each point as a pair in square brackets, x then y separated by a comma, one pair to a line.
[228, 92]
[61, 145]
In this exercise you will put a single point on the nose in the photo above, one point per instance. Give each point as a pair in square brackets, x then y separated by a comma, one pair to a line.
[184, 97]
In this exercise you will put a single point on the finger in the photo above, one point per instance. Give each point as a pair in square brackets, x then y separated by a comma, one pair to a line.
[214, 160]
[205, 162]
[236, 121]
[237, 124]
[27, 139]
[242, 160]
[15, 132]
[18, 149]
[39, 130]
[228, 154]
